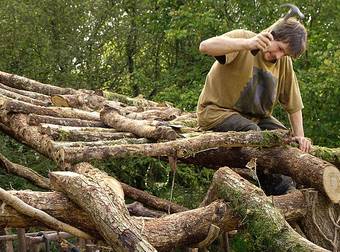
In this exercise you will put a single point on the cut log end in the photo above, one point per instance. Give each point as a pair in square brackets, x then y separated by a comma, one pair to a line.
[59, 101]
[331, 183]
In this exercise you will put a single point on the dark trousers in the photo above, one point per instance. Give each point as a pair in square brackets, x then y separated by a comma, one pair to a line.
[272, 184]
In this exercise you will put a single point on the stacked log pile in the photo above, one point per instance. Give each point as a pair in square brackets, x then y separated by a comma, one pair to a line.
[73, 127]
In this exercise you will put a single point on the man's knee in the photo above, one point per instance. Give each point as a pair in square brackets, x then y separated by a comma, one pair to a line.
[236, 122]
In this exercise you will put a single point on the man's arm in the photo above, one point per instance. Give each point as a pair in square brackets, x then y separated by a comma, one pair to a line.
[296, 122]
[222, 45]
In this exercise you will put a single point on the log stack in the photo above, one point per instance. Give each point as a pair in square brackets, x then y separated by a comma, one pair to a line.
[73, 126]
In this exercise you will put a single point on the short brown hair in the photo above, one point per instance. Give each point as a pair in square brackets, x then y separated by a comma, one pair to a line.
[292, 32]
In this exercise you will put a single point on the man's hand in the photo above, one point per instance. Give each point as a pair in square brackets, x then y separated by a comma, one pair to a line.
[305, 144]
[260, 41]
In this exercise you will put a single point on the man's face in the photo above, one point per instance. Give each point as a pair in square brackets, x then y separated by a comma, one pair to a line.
[276, 50]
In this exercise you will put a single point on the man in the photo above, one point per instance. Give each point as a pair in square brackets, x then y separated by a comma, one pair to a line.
[243, 85]
[241, 89]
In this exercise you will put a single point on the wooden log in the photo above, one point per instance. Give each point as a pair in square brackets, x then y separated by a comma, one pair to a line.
[266, 225]
[154, 114]
[26, 108]
[304, 168]
[81, 101]
[29, 135]
[24, 83]
[24, 172]
[112, 222]
[124, 140]
[23, 98]
[34, 119]
[141, 128]
[137, 209]
[137, 101]
[70, 133]
[180, 148]
[43, 217]
[190, 227]
[33, 95]
[322, 221]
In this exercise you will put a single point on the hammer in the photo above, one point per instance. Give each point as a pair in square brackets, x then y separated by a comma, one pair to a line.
[294, 10]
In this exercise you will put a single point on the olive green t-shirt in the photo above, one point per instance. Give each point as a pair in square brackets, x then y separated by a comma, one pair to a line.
[248, 85]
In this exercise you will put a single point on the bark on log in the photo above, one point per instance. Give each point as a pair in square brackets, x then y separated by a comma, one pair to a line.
[26, 108]
[304, 168]
[190, 227]
[24, 172]
[23, 98]
[180, 148]
[137, 209]
[322, 221]
[266, 225]
[124, 140]
[114, 226]
[81, 101]
[70, 133]
[33, 95]
[141, 128]
[154, 114]
[24, 83]
[34, 119]
[39, 215]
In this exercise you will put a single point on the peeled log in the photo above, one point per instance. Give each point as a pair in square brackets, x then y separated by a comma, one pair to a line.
[27, 108]
[34, 119]
[114, 226]
[141, 128]
[24, 83]
[264, 222]
[304, 168]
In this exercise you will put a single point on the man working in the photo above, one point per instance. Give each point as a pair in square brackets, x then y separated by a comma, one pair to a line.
[241, 89]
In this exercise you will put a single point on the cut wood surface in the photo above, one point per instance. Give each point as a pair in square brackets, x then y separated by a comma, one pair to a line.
[12, 105]
[266, 225]
[114, 226]
[304, 168]
[141, 128]
[24, 83]
[180, 148]
[35, 119]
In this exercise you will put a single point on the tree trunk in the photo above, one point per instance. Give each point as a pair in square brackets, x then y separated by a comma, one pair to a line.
[34, 119]
[20, 82]
[266, 225]
[137, 101]
[111, 218]
[331, 155]
[141, 128]
[180, 148]
[304, 168]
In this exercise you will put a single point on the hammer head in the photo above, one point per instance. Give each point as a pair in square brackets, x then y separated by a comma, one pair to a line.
[294, 11]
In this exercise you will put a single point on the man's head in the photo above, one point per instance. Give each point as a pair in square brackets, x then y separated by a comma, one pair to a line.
[290, 38]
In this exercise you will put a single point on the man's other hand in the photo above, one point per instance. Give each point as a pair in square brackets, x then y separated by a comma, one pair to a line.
[305, 144]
